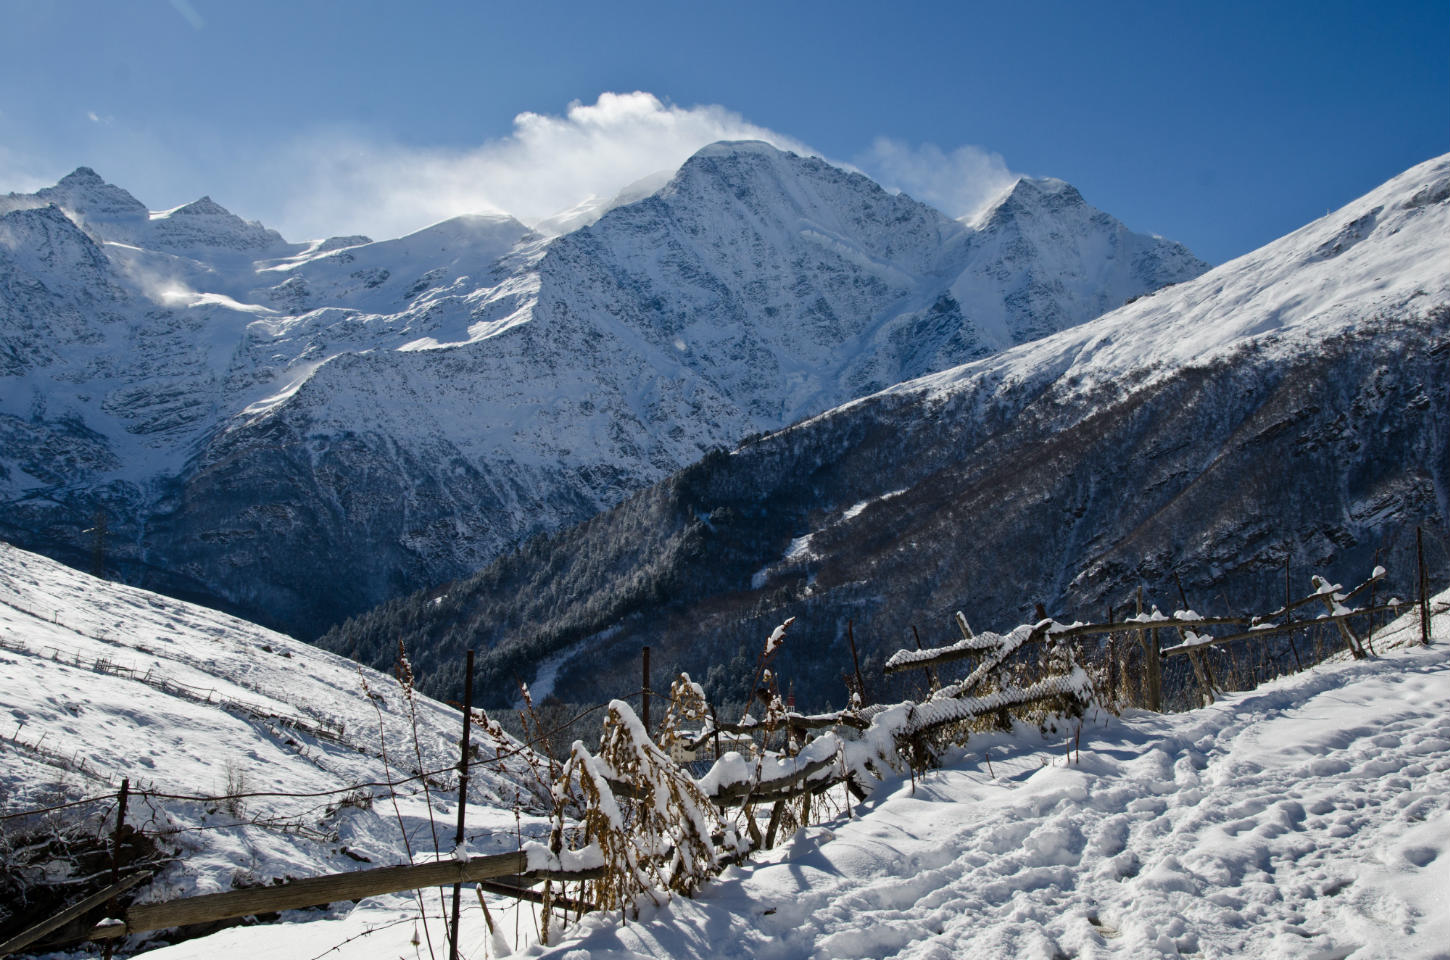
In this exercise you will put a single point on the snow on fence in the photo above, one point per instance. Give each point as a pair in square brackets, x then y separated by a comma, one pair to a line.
[1194, 633]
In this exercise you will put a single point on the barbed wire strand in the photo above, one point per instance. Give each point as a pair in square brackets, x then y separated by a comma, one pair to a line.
[499, 757]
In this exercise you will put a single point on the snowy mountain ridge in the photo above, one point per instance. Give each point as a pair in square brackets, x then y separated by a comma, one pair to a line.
[1375, 255]
[250, 413]
[1288, 408]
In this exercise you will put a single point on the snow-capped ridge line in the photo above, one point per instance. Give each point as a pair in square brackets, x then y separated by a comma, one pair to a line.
[523, 380]
[1195, 320]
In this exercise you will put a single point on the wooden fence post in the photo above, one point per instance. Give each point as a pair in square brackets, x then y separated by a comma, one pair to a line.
[462, 798]
[930, 673]
[1288, 616]
[856, 663]
[1424, 585]
[1201, 669]
[644, 701]
[1351, 640]
[116, 839]
[1152, 662]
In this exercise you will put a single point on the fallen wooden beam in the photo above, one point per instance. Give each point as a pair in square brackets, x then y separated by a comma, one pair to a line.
[316, 891]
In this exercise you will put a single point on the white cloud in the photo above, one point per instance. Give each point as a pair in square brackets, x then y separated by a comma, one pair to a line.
[344, 183]
[960, 183]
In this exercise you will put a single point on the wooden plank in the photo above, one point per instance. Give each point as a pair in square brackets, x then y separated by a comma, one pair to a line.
[316, 891]
[809, 788]
[739, 792]
[73, 912]
[794, 721]
[750, 791]
[1266, 631]
[520, 892]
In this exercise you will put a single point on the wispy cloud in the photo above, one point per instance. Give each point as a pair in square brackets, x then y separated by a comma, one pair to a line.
[959, 183]
[188, 13]
[346, 183]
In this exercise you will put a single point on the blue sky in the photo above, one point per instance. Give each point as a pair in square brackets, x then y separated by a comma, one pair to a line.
[1222, 124]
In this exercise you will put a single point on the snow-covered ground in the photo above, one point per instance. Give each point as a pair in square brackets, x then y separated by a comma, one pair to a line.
[1307, 818]
[100, 681]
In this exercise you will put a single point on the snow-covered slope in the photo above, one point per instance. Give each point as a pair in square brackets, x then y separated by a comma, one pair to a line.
[100, 682]
[1307, 818]
[303, 430]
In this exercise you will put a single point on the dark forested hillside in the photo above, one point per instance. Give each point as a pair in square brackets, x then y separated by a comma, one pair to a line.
[985, 501]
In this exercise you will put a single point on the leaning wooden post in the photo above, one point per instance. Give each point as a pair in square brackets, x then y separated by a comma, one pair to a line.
[1424, 585]
[462, 799]
[715, 729]
[1351, 640]
[770, 831]
[1201, 669]
[75, 912]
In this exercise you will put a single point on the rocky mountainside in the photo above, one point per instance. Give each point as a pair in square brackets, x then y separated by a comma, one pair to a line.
[297, 432]
[1291, 406]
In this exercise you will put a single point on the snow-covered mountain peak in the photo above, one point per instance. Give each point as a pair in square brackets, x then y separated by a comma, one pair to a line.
[103, 209]
[736, 148]
[86, 193]
[82, 176]
[205, 207]
[205, 223]
[1036, 193]
[1032, 198]
[742, 166]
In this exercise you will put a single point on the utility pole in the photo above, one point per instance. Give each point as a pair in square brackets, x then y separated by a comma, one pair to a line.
[97, 530]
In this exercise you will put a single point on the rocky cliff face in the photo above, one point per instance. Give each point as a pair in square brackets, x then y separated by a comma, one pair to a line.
[299, 431]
